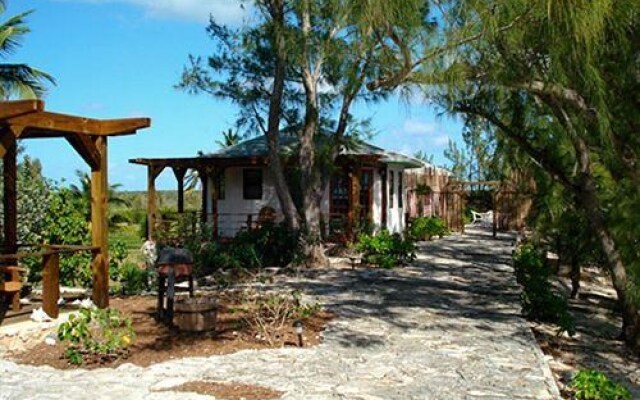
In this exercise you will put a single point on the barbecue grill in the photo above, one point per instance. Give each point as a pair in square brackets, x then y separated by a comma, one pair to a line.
[173, 265]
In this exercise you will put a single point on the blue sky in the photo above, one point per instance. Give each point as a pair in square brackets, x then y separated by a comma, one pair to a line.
[121, 58]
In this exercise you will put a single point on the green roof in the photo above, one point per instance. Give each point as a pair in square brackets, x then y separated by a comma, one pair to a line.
[257, 147]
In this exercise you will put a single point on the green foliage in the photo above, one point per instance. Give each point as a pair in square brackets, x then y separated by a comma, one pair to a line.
[65, 223]
[133, 279]
[425, 228]
[18, 80]
[267, 246]
[539, 302]
[96, 335]
[385, 250]
[594, 385]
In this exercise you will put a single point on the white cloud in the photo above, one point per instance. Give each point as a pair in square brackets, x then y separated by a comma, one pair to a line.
[416, 127]
[224, 11]
[441, 140]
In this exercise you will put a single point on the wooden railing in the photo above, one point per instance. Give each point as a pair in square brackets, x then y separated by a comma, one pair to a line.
[50, 254]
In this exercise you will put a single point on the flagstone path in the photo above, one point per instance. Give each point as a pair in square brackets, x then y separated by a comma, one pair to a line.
[447, 327]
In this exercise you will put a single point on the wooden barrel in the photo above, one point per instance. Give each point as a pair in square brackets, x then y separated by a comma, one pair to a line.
[196, 314]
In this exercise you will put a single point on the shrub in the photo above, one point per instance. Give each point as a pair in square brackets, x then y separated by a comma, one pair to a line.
[385, 250]
[539, 302]
[134, 280]
[425, 228]
[594, 385]
[269, 314]
[96, 335]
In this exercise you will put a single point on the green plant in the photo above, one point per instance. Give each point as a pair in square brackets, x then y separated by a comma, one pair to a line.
[425, 228]
[539, 302]
[385, 250]
[96, 335]
[134, 280]
[594, 385]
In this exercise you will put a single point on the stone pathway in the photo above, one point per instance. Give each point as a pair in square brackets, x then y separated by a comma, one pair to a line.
[446, 328]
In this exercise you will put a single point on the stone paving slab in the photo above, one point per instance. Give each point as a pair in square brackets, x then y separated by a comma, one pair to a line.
[448, 327]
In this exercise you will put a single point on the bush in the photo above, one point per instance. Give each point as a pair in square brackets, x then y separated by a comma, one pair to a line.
[269, 245]
[425, 228]
[134, 280]
[269, 314]
[95, 335]
[594, 385]
[385, 250]
[539, 302]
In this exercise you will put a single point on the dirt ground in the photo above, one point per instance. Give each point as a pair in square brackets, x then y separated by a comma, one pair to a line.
[155, 342]
[228, 391]
[596, 345]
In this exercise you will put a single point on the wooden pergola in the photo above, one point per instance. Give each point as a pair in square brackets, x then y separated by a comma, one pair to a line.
[28, 120]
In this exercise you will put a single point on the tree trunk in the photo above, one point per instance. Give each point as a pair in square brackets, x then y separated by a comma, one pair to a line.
[587, 197]
[273, 128]
[575, 277]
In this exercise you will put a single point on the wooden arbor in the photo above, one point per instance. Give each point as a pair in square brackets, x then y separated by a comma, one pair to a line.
[28, 120]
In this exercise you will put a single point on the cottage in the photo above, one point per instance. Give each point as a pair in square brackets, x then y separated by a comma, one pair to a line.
[368, 186]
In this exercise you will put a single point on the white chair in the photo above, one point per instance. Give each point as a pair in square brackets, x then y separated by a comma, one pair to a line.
[485, 218]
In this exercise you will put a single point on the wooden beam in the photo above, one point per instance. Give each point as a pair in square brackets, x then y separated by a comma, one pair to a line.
[204, 177]
[44, 123]
[115, 127]
[9, 172]
[152, 174]
[99, 226]
[179, 173]
[8, 136]
[384, 211]
[86, 148]
[10, 109]
[51, 284]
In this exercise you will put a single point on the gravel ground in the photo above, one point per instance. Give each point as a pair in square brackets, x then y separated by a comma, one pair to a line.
[447, 327]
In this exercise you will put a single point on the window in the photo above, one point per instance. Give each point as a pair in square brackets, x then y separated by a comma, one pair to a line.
[392, 187]
[252, 184]
[220, 184]
[400, 192]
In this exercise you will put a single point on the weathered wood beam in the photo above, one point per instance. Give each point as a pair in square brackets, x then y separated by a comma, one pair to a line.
[10, 109]
[8, 135]
[51, 284]
[152, 174]
[42, 122]
[86, 148]
[99, 226]
[179, 173]
[203, 173]
[115, 127]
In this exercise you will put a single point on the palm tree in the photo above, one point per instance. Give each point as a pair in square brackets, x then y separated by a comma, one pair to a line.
[83, 191]
[18, 80]
[229, 138]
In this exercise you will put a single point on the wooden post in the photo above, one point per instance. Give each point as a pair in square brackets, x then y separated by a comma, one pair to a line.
[51, 284]
[384, 211]
[179, 173]
[152, 174]
[354, 199]
[99, 226]
[204, 177]
[218, 174]
[9, 172]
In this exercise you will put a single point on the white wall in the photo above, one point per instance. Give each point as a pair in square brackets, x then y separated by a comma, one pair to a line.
[233, 209]
[395, 214]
